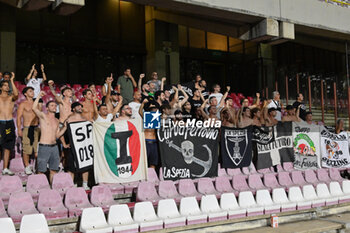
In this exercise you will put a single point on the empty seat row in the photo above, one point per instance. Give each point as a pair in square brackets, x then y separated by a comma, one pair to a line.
[30, 223]
[212, 208]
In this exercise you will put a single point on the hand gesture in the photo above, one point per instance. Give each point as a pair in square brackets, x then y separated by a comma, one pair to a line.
[179, 87]
[121, 98]
[42, 93]
[51, 83]
[42, 67]
[66, 146]
[174, 88]
[12, 76]
[163, 79]
[257, 95]
[228, 88]
[145, 101]
[33, 67]
[142, 76]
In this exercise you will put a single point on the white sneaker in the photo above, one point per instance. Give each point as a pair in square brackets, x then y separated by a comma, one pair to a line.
[28, 171]
[7, 171]
[86, 187]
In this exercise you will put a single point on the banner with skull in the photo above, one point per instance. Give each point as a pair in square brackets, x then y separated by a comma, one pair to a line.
[120, 153]
[188, 152]
[236, 147]
[273, 145]
[334, 149]
[306, 144]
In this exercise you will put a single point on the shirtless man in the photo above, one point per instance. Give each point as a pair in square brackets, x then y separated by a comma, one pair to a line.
[77, 109]
[150, 138]
[31, 131]
[88, 109]
[291, 114]
[48, 153]
[7, 126]
[245, 118]
[64, 100]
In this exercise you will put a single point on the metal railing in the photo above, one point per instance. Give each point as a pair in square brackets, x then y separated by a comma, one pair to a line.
[344, 3]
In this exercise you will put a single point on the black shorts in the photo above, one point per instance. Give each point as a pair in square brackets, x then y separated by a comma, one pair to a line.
[7, 134]
[152, 152]
[70, 162]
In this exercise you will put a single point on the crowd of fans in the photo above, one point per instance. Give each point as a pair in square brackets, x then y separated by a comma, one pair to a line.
[44, 133]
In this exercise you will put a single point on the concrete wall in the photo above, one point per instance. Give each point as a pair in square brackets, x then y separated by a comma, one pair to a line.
[313, 13]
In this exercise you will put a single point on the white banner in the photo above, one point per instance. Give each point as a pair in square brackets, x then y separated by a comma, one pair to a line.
[82, 148]
[306, 143]
[120, 153]
[335, 149]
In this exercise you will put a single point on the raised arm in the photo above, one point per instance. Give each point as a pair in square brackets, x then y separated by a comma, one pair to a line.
[132, 80]
[222, 101]
[35, 108]
[176, 97]
[139, 86]
[257, 102]
[95, 109]
[57, 97]
[297, 114]
[119, 105]
[30, 73]
[43, 72]
[142, 106]
[14, 88]
[108, 94]
[185, 99]
[162, 84]
[204, 114]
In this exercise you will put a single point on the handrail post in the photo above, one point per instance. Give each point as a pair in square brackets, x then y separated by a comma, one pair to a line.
[287, 94]
[322, 102]
[309, 87]
[335, 102]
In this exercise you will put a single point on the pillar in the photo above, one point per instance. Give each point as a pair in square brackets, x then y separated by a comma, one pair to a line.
[7, 38]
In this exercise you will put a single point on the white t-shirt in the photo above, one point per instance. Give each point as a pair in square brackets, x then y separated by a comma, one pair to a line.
[275, 104]
[135, 109]
[35, 83]
[218, 96]
[108, 118]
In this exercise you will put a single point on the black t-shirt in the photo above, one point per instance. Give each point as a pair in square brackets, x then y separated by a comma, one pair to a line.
[205, 93]
[196, 103]
[302, 112]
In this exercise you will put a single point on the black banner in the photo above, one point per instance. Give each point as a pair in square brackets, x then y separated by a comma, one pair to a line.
[236, 147]
[188, 152]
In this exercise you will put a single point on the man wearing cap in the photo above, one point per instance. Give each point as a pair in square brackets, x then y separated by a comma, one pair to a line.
[270, 117]
[77, 115]
[48, 154]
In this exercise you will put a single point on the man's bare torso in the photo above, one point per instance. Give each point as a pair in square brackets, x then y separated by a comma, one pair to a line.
[29, 117]
[49, 128]
[65, 110]
[6, 107]
[88, 110]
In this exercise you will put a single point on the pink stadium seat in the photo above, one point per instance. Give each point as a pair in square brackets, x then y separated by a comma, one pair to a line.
[168, 190]
[288, 166]
[254, 182]
[270, 181]
[322, 175]
[76, 200]
[334, 174]
[223, 185]
[284, 179]
[20, 204]
[298, 178]
[16, 166]
[152, 176]
[239, 183]
[77, 87]
[205, 186]
[35, 184]
[264, 171]
[3, 213]
[188, 189]
[115, 188]
[279, 168]
[233, 171]
[222, 172]
[310, 177]
[61, 182]
[50, 204]
[147, 192]
[245, 170]
[101, 196]
[8, 186]
[130, 187]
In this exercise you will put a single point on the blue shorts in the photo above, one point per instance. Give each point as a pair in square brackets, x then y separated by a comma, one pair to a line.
[152, 152]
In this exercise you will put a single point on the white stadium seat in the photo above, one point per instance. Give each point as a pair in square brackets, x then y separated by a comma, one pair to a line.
[145, 215]
[263, 198]
[6, 225]
[279, 196]
[93, 221]
[323, 192]
[167, 210]
[346, 186]
[189, 208]
[34, 223]
[246, 200]
[120, 219]
[229, 203]
[295, 195]
[335, 190]
[210, 206]
[309, 194]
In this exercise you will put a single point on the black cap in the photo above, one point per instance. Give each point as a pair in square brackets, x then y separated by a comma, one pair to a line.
[75, 104]
[289, 107]
[113, 92]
